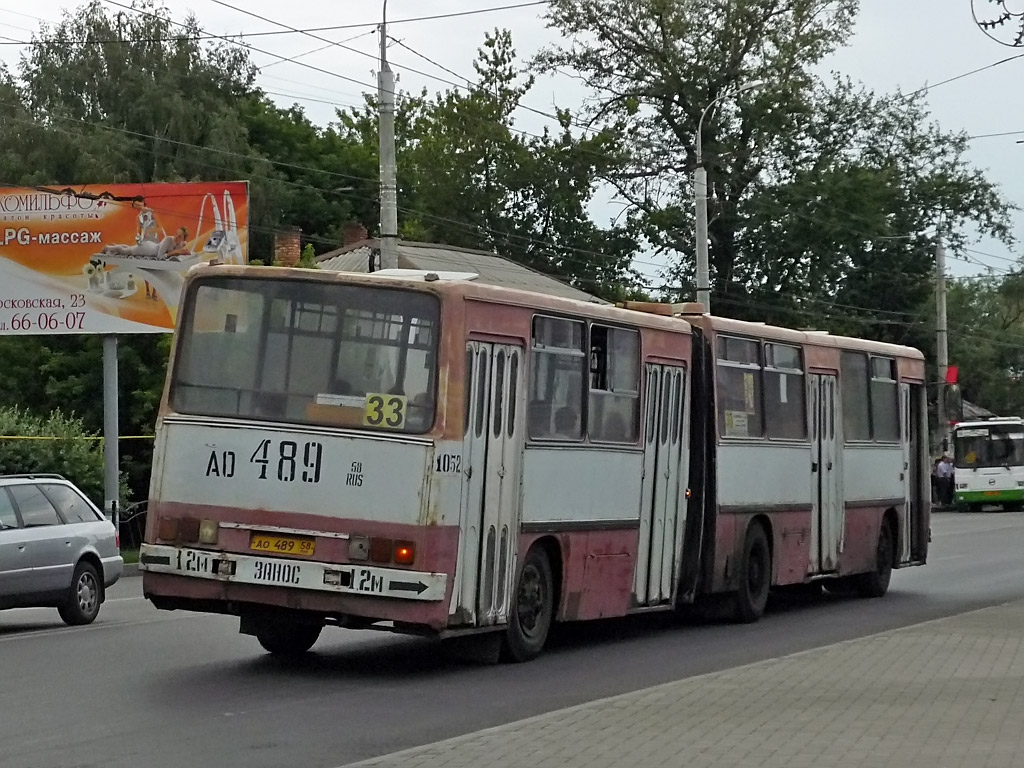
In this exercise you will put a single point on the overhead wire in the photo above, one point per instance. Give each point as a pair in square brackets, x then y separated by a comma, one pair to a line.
[331, 28]
[561, 251]
[474, 228]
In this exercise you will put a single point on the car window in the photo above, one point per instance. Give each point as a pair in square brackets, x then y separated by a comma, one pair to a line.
[8, 519]
[70, 503]
[35, 509]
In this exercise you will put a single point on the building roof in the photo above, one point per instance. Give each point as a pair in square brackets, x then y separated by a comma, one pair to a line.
[492, 270]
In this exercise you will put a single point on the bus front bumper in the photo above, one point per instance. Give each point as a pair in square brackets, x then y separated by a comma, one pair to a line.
[989, 497]
[334, 578]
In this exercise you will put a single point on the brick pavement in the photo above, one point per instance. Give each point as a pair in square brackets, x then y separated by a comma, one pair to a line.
[942, 694]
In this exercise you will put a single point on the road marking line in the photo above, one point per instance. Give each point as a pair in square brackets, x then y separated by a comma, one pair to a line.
[9, 634]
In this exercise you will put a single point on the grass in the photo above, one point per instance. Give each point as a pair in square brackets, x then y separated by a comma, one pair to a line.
[130, 556]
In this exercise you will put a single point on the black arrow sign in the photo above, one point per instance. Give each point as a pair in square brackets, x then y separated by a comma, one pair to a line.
[408, 586]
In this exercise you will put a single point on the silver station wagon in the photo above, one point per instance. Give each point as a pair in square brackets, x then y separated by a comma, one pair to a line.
[56, 549]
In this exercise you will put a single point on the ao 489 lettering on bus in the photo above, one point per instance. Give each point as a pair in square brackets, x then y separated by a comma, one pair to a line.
[284, 460]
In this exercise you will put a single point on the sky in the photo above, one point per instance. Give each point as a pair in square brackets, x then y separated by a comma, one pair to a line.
[898, 44]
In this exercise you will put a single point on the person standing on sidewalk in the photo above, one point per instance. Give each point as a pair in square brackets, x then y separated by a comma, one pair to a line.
[944, 479]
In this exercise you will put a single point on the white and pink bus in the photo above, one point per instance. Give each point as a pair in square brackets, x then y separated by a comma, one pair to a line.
[423, 453]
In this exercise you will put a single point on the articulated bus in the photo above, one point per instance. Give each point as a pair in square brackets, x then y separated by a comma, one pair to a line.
[988, 460]
[422, 453]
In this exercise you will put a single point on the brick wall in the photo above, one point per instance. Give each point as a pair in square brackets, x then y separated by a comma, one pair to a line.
[288, 246]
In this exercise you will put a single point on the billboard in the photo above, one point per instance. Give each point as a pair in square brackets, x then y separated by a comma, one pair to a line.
[111, 258]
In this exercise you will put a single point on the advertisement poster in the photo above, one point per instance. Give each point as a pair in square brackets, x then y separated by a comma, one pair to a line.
[113, 258]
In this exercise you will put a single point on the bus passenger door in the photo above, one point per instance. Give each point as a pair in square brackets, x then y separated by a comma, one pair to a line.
[491, 454]
[828, 511]
[663, 498]
[916, 478]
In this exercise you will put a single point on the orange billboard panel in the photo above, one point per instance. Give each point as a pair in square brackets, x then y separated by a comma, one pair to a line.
[111, 258]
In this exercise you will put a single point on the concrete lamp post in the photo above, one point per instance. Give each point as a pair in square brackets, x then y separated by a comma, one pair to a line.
[700, 194]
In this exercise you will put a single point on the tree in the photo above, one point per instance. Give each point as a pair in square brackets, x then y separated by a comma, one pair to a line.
[821, 192]
[136, 97]
[53, 443]
[986, 340]
[469, 178]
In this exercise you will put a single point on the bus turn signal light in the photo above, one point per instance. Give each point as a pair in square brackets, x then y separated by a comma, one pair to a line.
[168, 529]
[405, 552]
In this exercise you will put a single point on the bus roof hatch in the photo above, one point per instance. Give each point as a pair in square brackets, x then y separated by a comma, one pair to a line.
[426, 275]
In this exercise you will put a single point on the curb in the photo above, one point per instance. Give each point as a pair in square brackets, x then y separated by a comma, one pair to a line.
[453, 742]
[131, 569]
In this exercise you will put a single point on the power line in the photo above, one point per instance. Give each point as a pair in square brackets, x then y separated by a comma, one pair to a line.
[332, 28]
[427, 59]
[454, 84]
[242, 44]
[961, 76]
[316, 50]
[993, 135]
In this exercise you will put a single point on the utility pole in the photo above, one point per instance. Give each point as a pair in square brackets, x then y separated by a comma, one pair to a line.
[111, 461]
[941, 339]
[700, 200]
[700, 191]
[388, 172]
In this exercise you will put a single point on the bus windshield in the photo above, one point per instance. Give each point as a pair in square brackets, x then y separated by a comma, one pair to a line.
[989, 446]
[308, 352]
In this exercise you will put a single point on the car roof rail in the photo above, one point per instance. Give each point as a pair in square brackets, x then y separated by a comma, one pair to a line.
[34, 475]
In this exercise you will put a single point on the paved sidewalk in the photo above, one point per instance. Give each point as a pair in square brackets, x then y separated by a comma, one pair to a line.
[942, 694]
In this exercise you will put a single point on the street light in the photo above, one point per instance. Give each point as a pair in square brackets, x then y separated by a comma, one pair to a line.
[700, 194]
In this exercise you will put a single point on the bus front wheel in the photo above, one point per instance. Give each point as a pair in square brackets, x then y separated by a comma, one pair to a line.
[533, 609]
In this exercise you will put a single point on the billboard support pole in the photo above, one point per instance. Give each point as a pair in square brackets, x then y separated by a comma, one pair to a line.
[110, 429]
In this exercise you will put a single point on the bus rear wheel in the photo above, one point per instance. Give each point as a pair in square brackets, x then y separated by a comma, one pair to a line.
[755, 575]
[533, 609]
[288, 639]
[876, 583]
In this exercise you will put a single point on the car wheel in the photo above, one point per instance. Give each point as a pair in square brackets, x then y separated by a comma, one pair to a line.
[82, 604]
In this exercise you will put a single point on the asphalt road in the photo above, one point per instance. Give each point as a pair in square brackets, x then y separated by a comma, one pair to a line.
[161, 690]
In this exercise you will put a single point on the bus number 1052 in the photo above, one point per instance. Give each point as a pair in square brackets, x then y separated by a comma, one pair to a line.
[289, 460]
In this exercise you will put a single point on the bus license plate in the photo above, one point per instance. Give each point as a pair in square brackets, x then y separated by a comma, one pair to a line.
[282, 545]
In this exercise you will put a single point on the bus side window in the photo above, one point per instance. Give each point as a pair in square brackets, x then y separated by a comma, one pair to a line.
[557, 379]
[738, 374]
[614, 405]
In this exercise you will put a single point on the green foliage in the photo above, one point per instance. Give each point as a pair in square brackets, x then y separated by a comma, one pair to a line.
[469, 178]
[62, 445]
[986, 341]
[68, 371]
[308, 258]
[823, 196]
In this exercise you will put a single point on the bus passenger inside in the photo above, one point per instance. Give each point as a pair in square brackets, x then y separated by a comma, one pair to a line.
[566, 424]
[420, 411]
[615, 430]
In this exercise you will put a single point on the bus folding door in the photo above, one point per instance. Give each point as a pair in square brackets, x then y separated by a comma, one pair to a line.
[663, 495]
[491, 458]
